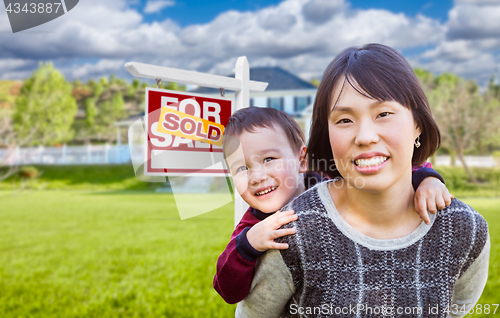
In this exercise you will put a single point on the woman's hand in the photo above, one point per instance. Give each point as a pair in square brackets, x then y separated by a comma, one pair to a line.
[431, 196]
[261, 236]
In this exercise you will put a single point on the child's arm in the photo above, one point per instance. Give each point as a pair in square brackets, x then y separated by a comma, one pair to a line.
[430, 192]
[235, 271]
[236, 265]
[261, 236]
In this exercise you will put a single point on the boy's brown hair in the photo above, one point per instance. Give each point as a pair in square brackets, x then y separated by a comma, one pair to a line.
[247, 119]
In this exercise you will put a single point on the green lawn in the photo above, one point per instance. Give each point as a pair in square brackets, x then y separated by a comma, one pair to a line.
[127, 254]
[490, 209]
[90, 254]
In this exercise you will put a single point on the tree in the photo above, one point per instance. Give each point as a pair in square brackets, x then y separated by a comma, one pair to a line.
[90, 112]
[463, 115]
[109, 111]
[426, 79]
[45, 108]
[491, 142]
[493, 88]
[85, 128]
[97, 88]
[315, 82]
[8, 139]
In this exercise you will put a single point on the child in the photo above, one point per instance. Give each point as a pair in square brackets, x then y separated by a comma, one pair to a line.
[265, 152]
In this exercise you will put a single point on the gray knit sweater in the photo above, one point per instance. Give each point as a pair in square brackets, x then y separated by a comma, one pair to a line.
[332, 270]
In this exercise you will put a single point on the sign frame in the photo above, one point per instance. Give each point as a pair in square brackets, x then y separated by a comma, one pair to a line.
[147, 150]
[240, 84]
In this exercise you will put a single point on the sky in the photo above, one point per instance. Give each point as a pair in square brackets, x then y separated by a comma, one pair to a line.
[97, 37]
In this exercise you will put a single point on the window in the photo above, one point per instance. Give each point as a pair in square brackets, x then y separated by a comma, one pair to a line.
[275, 102]
[301, 102]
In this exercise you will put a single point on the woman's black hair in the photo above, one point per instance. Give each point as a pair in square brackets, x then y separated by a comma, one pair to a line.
[378, 72]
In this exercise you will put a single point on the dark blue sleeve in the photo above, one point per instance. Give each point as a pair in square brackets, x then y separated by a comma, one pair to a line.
[244, 248]
[311, 178]
[421, 174]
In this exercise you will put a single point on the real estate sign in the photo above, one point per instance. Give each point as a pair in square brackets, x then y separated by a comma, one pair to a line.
[184, 133]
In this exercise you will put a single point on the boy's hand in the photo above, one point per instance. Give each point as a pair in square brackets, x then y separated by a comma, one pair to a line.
[261, 236]
[431, 195]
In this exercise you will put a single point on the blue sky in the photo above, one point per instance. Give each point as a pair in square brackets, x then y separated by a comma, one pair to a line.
[198, 12]
[97, 37]
[186, 12]
[434, 9]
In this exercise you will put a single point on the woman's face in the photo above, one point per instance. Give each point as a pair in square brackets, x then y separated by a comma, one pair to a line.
[372, 142]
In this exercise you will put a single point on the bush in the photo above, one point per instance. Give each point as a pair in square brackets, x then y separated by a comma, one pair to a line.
[122, 177]
[28, 172]
[81, 177]
[458, 183]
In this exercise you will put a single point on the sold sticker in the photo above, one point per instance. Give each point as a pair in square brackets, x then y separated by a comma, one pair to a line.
[183, 125]
[184, 133]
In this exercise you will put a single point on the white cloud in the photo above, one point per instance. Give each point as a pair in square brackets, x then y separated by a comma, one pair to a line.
[320, 11]
[104, 66]
[155, 6]
[304, 45]
[476, 2]
[301, 36]
[10, 64]
[472, 42]
[474, 20]
[454, 51]
[480, 68]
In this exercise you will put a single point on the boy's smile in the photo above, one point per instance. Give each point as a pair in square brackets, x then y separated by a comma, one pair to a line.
[266, 171]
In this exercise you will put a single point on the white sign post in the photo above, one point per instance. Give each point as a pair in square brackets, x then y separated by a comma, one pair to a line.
[241, 84]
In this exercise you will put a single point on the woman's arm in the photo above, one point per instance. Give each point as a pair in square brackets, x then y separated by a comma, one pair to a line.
[272, 288]
[470, 285]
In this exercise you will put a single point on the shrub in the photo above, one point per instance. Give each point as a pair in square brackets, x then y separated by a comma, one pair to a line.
[28, 172]
[458, 183]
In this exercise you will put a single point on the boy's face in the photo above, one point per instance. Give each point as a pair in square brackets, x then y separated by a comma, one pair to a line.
[266, 171]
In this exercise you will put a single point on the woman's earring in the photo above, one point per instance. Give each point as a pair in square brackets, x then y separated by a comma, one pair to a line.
[417, 142]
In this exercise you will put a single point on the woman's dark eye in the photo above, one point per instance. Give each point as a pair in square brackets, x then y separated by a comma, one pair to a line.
[268, 159]
[384, 114]
[344, 121]
[242, 168]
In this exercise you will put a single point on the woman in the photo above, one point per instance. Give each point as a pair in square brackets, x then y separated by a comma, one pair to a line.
[360, 250]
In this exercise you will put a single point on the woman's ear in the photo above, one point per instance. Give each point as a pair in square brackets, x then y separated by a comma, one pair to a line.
[418, 131]
[302, 159]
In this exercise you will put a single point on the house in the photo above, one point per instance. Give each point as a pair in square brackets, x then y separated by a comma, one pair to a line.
[285, 92]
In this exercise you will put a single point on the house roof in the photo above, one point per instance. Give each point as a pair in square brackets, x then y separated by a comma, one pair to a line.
[278, 79]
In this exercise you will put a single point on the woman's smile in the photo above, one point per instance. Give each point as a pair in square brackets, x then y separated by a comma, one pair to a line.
[370, 165]
[370, 162]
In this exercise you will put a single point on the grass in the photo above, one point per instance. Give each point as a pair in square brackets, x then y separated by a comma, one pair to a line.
[490, 209]
[80, 177]
[121, 177]
[128, 254]
[113, 254]
[458, 182]
[87, 177]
